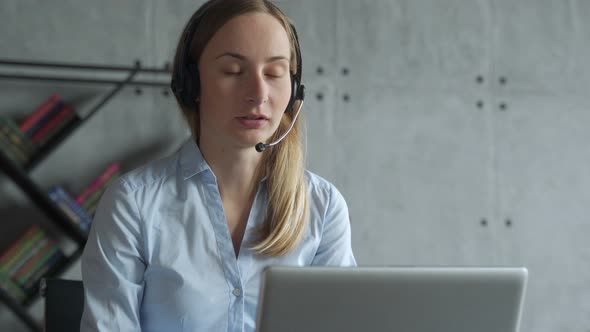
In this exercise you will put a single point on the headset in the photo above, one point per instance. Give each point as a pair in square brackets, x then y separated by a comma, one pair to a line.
[185, 82]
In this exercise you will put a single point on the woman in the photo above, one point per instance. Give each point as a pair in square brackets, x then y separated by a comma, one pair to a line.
[179, 244]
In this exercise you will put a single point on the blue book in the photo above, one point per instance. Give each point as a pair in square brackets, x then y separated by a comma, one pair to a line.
[59, 195]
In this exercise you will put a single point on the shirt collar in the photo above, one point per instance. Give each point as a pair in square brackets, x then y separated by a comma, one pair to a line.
[191, 159]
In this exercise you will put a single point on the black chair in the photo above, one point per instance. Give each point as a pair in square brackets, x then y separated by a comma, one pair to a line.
[64, 303]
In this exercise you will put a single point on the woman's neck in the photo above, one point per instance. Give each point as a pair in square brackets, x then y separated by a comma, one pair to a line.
[234, 168]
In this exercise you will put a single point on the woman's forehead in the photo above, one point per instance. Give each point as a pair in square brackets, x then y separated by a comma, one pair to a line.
[257, 35]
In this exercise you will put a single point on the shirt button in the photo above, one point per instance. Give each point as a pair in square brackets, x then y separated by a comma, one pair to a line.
[237, 292]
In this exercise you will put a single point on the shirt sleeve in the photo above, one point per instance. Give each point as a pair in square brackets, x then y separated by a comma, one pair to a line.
[335, 247]
[112, 264]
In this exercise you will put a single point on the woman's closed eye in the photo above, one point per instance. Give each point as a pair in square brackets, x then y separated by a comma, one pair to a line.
[237, 73]
[232, 70]
[275, 73]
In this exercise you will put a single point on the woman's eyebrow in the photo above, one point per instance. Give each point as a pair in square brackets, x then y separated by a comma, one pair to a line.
[243, 58]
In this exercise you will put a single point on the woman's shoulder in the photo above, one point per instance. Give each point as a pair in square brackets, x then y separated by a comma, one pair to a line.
[316, 181]
[151, 173]
[321, 188]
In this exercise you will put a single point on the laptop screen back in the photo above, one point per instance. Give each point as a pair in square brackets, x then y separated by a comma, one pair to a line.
[408, 299]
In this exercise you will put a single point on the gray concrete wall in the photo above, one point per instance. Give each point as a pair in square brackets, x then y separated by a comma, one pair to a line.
[421, 164]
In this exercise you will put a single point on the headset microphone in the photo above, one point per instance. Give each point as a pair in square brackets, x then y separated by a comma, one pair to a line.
[300, 95]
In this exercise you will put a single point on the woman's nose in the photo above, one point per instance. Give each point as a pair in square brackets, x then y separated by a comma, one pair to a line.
[257, 89]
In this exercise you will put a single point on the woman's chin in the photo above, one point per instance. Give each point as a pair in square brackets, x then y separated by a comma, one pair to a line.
[250, 141]
[251, 137]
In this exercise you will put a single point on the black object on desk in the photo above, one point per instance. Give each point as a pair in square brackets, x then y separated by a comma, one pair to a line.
[64, 303]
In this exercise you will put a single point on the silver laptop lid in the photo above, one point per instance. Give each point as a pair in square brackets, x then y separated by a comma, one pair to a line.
[405, 299]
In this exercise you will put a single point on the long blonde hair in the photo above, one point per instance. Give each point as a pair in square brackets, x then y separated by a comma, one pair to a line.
[283, 164]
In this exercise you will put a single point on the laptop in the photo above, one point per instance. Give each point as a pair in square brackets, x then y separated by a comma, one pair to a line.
[401, 299]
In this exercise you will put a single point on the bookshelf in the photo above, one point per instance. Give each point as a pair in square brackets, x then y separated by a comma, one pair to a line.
[19, 174]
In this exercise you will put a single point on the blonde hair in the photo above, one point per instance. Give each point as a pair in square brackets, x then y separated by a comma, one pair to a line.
[283, 164]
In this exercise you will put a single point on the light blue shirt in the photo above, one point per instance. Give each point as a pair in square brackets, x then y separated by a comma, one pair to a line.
[160, 257]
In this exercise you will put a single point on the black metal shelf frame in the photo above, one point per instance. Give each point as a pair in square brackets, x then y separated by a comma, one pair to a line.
[39, 197]
[20, 175]
[78, 78]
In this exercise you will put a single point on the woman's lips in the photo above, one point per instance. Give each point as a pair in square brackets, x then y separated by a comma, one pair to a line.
[252, 123]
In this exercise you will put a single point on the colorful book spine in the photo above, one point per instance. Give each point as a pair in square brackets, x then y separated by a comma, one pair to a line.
[27, 254]
[14, 144]
[91, 204]
[11, 251]
[28, 259]
[95, 197]
[61, 126]
[33, 259]
[56, 258]
[45, 119]
[7, 152]
[39, 261]
[98, 182]
[11, 288]
[60, 196]
[12, 151]
[68, 212]
[17, 137]
[61, 118]
[21, 251]
[42, 110]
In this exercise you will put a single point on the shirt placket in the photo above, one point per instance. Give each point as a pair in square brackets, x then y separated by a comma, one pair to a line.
[227, 257]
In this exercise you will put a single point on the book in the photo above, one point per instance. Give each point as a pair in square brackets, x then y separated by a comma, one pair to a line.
[57, 129]
[57, 258]
[98, 182]
[40, 261]
[43, 109]
[21, 251]
[45, 118]
[11, 151]
[27, 255]
[11, 251]
[33, 259]
[59, 195]
[18, 138]
[68, 212]
[60, 119]
[6, 150]
[95, 197]
[11, 288]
